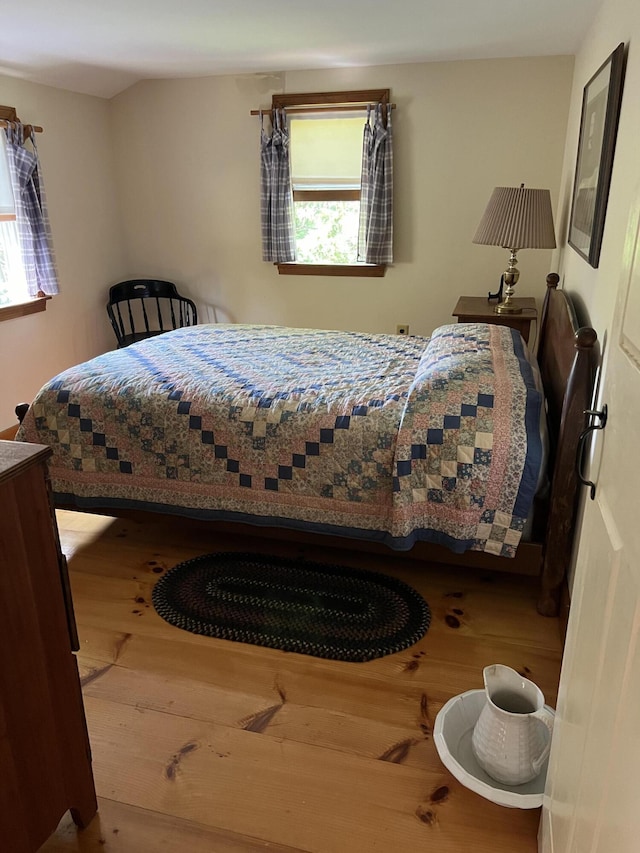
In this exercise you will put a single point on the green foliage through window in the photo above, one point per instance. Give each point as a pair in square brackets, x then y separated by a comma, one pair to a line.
[327, 232]
[13, 287]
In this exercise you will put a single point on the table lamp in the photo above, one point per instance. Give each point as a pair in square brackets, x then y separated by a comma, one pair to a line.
[516, 218]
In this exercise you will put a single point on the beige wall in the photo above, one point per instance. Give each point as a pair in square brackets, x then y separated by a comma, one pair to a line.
[594, 290]
[187, 168]
[184, 161]
[76, 156]
[618, 21]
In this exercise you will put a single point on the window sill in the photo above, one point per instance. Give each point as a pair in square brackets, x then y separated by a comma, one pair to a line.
[357, 270]
[21, 309]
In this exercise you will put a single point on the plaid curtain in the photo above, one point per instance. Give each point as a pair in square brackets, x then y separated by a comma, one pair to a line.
[276, 197]
[34, 231]
[375, 234]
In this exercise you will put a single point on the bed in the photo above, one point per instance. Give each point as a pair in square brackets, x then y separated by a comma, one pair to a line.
[427, 444]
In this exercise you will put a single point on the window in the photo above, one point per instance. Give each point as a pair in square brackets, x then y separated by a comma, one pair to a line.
[326, 140]
[326, 153]
[13, 286]
[16, 296]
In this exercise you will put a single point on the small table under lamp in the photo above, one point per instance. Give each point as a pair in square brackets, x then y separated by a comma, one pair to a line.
[516, 218]
[476, 309]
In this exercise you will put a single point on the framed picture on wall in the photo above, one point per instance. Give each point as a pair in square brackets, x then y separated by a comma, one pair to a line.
[596, 145]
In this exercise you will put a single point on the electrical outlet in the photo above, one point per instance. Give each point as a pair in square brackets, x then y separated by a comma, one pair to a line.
[402, 329]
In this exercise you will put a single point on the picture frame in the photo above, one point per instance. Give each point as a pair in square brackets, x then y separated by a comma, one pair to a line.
[596, 145]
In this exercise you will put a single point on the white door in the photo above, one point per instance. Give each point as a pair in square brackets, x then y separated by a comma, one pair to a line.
[593, 788]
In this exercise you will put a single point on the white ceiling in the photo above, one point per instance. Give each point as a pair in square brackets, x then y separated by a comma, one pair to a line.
[101, 47]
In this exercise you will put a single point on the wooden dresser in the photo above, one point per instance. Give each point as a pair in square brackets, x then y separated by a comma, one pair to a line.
[45, 758]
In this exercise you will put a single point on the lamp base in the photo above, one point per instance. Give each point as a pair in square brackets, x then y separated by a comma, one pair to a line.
[507, 307]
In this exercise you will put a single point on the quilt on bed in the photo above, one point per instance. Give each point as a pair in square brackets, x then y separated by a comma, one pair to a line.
[383, 437]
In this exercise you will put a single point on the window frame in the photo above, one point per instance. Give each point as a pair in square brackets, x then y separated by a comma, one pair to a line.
[336, 102]
[23, 309]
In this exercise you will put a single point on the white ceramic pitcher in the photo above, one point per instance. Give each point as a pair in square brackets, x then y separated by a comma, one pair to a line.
[512, 737]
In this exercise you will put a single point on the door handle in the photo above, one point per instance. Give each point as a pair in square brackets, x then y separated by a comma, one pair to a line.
[582, 439]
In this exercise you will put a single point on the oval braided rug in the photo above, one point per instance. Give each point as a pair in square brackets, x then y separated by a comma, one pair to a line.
[315, 609]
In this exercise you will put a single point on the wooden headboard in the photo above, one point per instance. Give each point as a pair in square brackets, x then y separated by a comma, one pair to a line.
[567, 358]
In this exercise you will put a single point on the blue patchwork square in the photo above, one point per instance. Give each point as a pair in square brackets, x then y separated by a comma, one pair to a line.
[312, 448]
[112, 453]
[74, 410]
[86, 425]
[299, 461]
[285, 472]
[245, 480]
[451, 422]
[418, 451]
[342, 422]
[404, 468]
[195, 422]
[99, 439]
[485, 400]
[207, 437]
[435, 436]
[326, 436]
[468, 411]
[233, 466]
[63, 397]
[481, 457]
[183, 408]
[220, 451]
[126, 468]
[359, 410]
[271, 484]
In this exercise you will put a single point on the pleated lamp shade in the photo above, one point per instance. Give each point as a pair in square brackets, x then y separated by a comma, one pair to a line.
[517, 218]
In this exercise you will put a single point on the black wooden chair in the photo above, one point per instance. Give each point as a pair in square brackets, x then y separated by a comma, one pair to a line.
[142, 308]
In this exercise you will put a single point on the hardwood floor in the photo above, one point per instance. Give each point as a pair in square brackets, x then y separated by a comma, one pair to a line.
[206, 746]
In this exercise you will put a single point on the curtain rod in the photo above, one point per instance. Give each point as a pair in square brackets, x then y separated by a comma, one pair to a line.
[27, 127]
[329, 108]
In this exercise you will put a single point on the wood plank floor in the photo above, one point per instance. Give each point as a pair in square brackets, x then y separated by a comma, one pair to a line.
[206, 746]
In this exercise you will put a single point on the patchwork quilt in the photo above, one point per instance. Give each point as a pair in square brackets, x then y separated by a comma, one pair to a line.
[384, 437]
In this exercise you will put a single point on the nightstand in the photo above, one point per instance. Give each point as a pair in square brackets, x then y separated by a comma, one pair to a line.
[476, 309]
